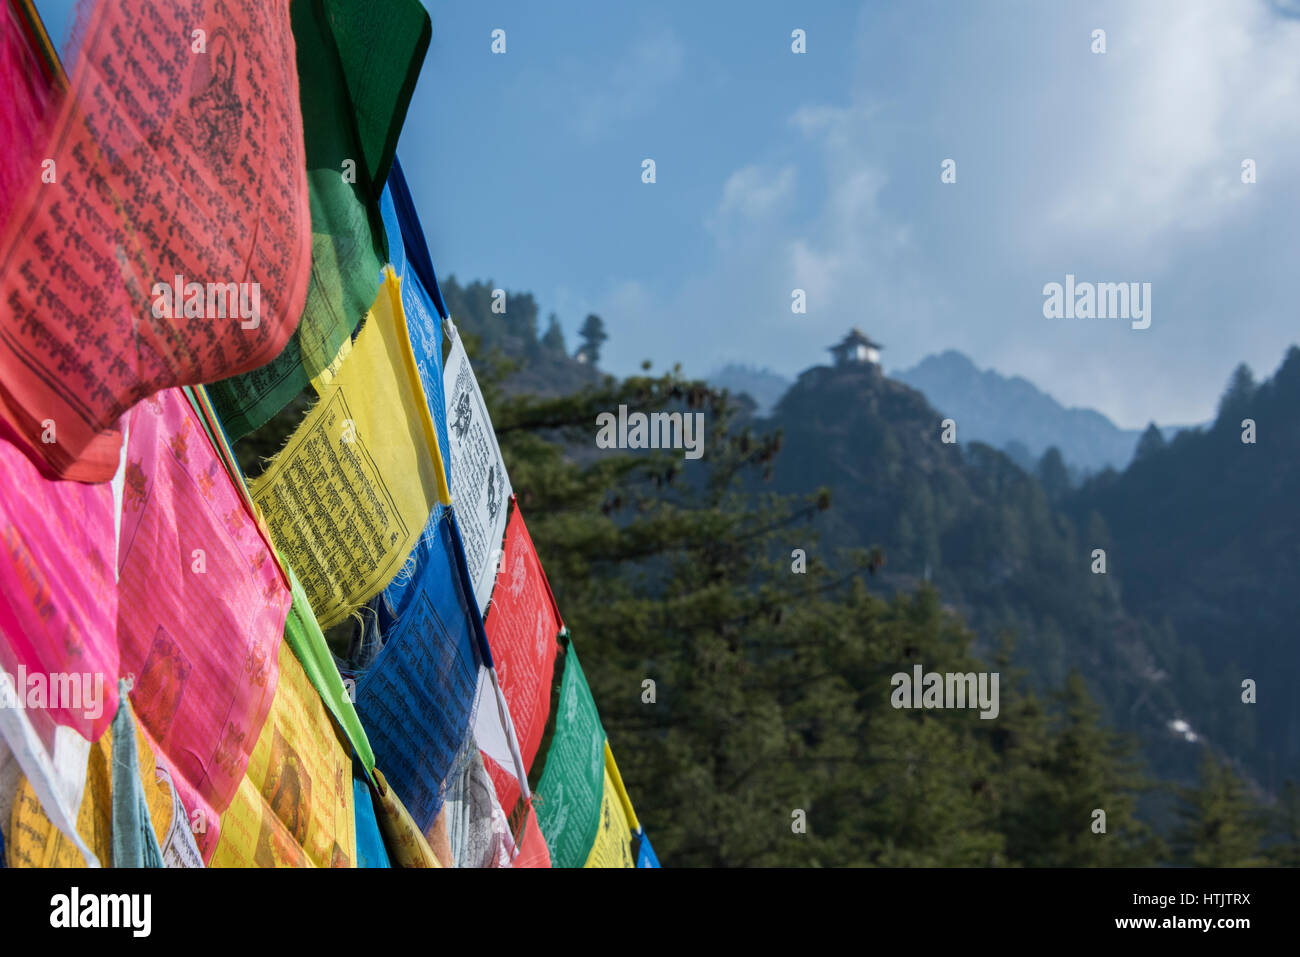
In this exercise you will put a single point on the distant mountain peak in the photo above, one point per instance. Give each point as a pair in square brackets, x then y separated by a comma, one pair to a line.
[1010, 410]
[762, 385]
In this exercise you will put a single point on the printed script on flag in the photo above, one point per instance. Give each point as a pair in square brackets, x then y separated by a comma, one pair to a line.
[357, 66]
[294, 806]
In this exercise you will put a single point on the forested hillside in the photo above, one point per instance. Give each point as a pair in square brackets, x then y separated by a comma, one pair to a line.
[1205, 533]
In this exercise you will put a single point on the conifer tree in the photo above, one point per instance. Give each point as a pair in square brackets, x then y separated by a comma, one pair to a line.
[1220, 825]
[1285, 832]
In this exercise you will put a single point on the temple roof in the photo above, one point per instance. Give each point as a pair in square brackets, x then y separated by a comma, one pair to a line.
[855, 337]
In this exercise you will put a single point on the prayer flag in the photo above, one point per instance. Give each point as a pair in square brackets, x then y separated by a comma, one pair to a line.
[348, 497]
[569, 795]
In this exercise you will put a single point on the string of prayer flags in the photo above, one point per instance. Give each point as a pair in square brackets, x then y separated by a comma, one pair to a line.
[421, 298]
[356, 72]
[348, 497]
[416, 698]
[573, 780]
[171, 243]
[494, 729]
[222, 204]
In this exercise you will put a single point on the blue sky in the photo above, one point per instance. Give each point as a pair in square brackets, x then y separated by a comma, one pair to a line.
[821, 171]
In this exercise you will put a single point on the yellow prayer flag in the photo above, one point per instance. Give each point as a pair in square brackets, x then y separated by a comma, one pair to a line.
[294, 806]
[613, 847]
[349, 495]
[406, 846]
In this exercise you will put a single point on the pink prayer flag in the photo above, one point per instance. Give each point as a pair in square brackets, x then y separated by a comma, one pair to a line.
[58, 600]
[202, 607]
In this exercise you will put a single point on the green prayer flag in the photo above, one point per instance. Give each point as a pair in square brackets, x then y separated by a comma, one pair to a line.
[573, 781]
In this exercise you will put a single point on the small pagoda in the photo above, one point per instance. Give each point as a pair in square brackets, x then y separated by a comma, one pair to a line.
[856, 349]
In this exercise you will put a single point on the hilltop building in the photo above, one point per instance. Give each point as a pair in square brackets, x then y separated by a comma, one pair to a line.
[856, 348]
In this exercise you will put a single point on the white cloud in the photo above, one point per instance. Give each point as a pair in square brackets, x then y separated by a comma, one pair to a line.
[1156, 128]
[754, 192]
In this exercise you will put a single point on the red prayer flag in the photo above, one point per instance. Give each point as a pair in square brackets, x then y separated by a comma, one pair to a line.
[522, 624]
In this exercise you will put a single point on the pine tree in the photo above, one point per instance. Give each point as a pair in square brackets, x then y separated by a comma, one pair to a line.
[1285, 819]
[1151, 442]
[1220, 825]
[553, 338]
[1094, 769]
[1237, 399]
[1053, 474]
[593, 336]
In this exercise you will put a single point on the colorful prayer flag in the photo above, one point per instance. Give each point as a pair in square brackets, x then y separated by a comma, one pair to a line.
[522, 624]
[569, 795]
[202, 608]
[479, 485]
[294, 805]
[415, 699]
